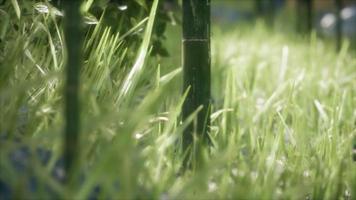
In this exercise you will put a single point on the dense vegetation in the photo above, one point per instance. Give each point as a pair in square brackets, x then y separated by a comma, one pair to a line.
[282, 123]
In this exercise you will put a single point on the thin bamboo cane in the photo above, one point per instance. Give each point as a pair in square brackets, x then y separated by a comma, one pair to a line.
[309, 8]
[271, 13]
[196, 68]
[305, 16]
[354, 150]
[73, 41]
[339, 5]
[259, 8]
[265, 9]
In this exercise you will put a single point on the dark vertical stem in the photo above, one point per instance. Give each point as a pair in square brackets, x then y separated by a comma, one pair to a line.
[73, 42]
[338, 4]
[265, 9]
[305, 16]
[354, 150]
[298, 16]
[196, 68]
[309, 15]
[258, 8]
[271, 12]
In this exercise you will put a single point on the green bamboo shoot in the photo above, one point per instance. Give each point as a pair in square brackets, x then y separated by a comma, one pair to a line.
[338, 4]
[196, 68]
[73, 41]
[305, 16]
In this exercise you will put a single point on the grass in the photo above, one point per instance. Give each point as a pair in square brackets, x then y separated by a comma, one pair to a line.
[283, 115]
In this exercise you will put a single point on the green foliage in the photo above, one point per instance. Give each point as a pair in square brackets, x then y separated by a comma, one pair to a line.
[282, 119]
[120, 15]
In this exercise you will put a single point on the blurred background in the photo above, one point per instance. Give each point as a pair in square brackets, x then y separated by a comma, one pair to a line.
[301, 16]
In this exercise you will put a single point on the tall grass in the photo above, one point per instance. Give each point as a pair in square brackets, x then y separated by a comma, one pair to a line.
[282, 122]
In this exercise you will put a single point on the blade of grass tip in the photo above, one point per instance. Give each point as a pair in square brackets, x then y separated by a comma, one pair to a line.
[133, 29]
[29, 56]
[171, 139]
[59, 35]
[284, 62]
[173, 115]
[289, 132]
[27, 85]
[158, 75]
[51, 44]
[341, 106]
[168, 77]
[166, 139]
[73, 37]
[218, 113]
[90, 39]
[5, 24]
[16, 6]
[188, 150]
[166, 142]
[86, 6]
[146, 108]
[270, 100]
[137, 68]
[321, 110]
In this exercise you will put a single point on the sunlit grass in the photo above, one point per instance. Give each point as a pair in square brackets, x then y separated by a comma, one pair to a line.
[283, 118]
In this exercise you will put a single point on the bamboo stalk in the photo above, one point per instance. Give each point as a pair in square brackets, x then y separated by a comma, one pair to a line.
[354, 150]
[73, 42]
[304, 16]
[309, 9]
[271, 13]
[259, 8]
[339, 5]
[265, 9]
[196, 68]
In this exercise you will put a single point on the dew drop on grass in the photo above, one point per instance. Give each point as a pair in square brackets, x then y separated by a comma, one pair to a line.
[41, 8]
[260, 103]
[212, 186]
[90, 20]
[279, 192]
[234, 172]
[164, 196]
[138, 136]
[306, 173]
[347, 194]
[44, 9]
[122, 7]
[254, 175]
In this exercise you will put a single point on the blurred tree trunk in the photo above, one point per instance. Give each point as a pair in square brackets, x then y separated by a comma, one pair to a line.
[73, 41]
[271, 13]
[354, 150]
[338, 28]
[259, 8]
[265, 10]
[196, 72]
[305, 16]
